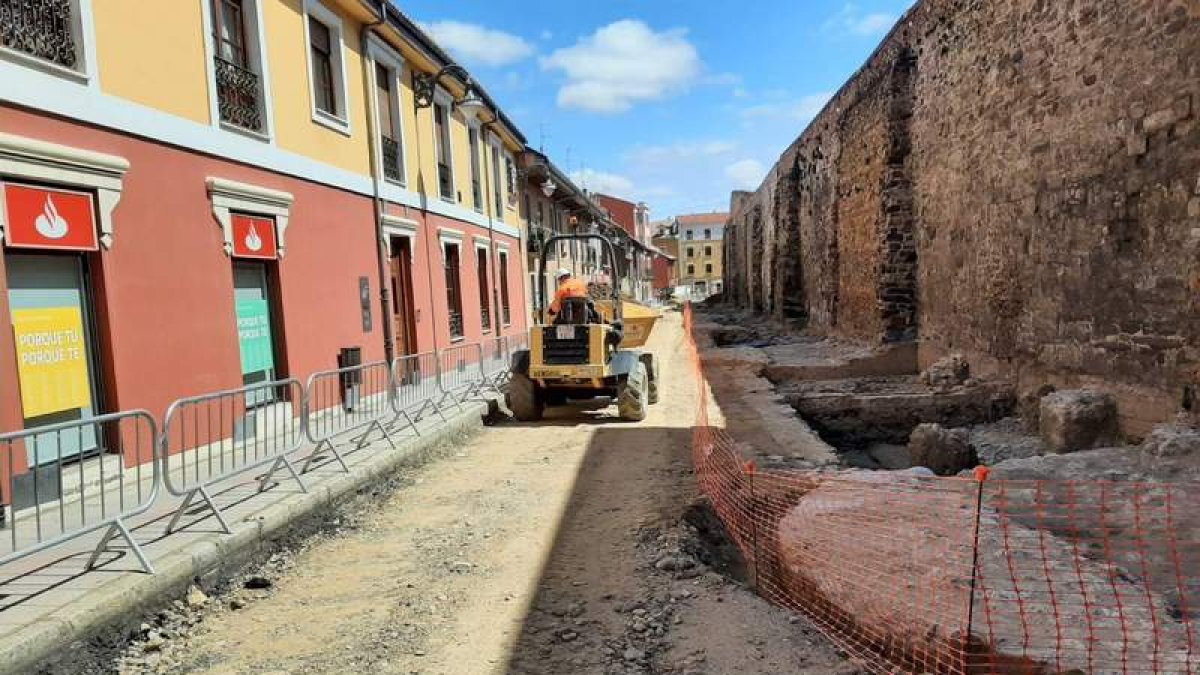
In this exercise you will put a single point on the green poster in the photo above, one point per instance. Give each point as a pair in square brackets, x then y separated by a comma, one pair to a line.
[254, 336]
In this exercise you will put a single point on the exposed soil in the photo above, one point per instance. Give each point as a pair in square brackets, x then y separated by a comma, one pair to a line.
[575, 545]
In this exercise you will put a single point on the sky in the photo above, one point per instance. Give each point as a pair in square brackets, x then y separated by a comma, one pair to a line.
[671, 102]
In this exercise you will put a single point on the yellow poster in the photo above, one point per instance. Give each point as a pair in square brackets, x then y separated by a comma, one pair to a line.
[51, 359]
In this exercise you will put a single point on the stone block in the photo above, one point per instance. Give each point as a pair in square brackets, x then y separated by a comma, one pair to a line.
[949, 371]
[1078, 419]
[943, 451]
[1172, 440]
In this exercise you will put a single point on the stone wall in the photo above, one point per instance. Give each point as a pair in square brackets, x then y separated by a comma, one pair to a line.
[1018, 180]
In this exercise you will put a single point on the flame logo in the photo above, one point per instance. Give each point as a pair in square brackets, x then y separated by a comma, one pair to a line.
[253, 241]
[50, 224]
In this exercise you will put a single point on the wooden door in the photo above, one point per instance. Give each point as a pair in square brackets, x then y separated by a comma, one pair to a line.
[403, 320]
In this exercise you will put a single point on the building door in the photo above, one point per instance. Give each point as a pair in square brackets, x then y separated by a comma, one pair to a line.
[52, 323]
[255, 314]
[403, 318]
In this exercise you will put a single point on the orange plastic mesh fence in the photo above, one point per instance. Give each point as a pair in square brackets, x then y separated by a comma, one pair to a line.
[914, 574]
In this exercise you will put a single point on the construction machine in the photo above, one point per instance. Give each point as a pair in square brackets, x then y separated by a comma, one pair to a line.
[585, 351]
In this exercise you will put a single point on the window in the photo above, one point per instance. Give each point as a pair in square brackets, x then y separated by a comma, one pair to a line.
[389, 123]
[44, 33]
[691, 269]
[708, 268]
[505, 316]
[485, 304]
[687, 234]
[510, 174]
[707, 251]
[476, 187]
[496, 184]
[707, 233]
[441, 125]
[691, 252]
[237, 65]
[453, 289]
[327, 75]
[322, 67]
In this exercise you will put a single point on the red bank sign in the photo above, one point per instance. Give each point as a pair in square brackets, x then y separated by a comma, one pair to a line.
[45, 218]
[254, 237]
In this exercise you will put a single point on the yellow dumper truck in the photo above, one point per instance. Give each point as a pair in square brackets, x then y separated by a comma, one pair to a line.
[586, 351]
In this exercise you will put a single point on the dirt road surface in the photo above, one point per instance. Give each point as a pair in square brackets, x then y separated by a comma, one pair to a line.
[548, 548]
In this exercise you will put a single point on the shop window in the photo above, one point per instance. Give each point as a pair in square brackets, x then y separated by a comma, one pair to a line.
[450, 253]
[255, 310]
[485, 302]
[327, 76]
[505, 314]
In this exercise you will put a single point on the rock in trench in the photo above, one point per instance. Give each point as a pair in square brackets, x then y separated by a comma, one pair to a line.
[943, 451]
[1078, 419]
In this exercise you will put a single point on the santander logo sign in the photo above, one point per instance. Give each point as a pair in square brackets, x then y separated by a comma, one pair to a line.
[254, 237]
[48, 218]
[50, 224]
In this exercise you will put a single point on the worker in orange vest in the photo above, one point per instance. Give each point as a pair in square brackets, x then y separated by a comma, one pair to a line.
[568, 287]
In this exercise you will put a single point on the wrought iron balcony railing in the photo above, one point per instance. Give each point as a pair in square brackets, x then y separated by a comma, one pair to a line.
[445, 184]
[391, 159]
[456, 324]
[239, 96]
[40, 28]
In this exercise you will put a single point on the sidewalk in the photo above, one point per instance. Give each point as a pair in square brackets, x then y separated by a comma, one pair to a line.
[48, 601]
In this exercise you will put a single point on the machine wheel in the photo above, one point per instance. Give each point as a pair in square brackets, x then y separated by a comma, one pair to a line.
[633, 395]
[523, 399]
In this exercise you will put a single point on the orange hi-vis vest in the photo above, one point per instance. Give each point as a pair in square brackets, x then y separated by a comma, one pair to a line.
[571, 288]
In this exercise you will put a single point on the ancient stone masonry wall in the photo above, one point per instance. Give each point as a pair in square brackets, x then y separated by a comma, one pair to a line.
[1018, 180]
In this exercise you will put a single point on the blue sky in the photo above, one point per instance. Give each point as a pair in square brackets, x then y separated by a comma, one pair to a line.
[671, 102]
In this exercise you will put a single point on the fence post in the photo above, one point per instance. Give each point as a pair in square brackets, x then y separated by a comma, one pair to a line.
[981, 475]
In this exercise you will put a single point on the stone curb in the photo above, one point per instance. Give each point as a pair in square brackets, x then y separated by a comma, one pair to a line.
[131, 595]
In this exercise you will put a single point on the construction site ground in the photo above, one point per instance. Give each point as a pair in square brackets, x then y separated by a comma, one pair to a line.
[574, 545]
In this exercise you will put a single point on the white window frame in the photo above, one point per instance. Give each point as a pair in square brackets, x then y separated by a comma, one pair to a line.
[447, 235]
[258, 59]
[84, 33]
[502, 254]
[395, 226]
[477, 161]
[315, 9]
[387, 57]
[442, 98]
[482, 250]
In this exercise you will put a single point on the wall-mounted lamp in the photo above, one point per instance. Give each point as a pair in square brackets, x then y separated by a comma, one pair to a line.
[424, 86]
[548, 187]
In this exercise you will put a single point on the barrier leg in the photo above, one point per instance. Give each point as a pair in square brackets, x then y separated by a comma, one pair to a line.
[361, 442]
[118, 528]
[285, 463]
[187, 501]
[409, 423]
[317, 453]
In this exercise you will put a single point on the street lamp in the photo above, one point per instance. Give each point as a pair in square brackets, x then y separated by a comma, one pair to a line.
[548, 188]
[424, 86]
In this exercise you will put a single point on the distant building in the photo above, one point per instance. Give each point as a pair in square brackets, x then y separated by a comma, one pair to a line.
[699, 266]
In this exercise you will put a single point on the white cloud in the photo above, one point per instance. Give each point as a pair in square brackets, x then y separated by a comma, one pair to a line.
[850, 20]
[546, 35]
[621, 64]
[600, 181]
[676, 152]
[799, 110]
[746, 174]
[478, 44]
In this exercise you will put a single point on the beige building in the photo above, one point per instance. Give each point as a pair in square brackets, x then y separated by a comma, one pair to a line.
[699, 266]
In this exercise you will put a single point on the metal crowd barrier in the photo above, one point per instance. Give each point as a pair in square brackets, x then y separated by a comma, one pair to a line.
[415, 378]
[494, 362]
[348, 400]
[63, 496]
[212, 437]
[460, 373]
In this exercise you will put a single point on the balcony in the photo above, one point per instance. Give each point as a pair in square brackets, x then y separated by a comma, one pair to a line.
[391, 159]
[42, 29]
[456, 324]
[445, 181]
[239, 98]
